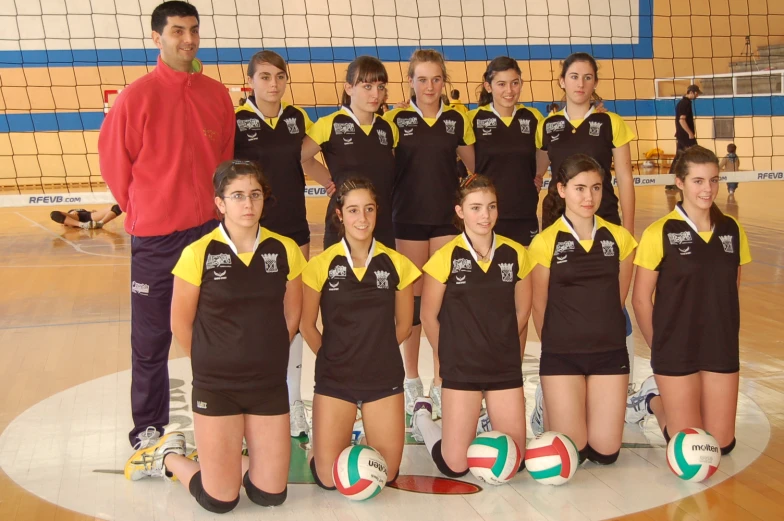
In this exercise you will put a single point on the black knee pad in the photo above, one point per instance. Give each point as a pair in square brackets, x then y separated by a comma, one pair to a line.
[666, 434]
[417, 307]
[438, 459]
[58, 217]
[260, 497]
[116, 210]
[394, 479]
[316, 478]
[522, 466]
[601, 459]
[208, 502]
[726, 450]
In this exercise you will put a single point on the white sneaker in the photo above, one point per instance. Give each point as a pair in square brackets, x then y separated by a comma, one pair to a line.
[537, 417]
[483, 425]
[298, 421]
[631, 389]
[422, 407]
[148, 461]
[435, 395]
[148, 438]
[636, 405]
[412, 389]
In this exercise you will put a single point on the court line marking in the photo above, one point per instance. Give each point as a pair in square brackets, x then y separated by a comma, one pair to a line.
[69, 243]
[34, 326]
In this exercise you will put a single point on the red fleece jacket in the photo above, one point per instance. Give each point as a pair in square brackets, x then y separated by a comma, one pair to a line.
[159, 146]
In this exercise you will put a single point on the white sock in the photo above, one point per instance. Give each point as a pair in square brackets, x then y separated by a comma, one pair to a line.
[294, 373]
[431, 431]
[412, 380]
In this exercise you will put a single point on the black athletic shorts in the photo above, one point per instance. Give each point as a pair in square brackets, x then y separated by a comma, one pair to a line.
[85, 216]
[259, 402]
[355, 396]
[482, 386]
[519, 230]
[584, 364]
[677, 361]
[423, 232]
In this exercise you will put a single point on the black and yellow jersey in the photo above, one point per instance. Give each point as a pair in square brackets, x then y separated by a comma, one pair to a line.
[359, 348]
[276, 144]
[426, 164]
[240, 338]
[478, 339]
[595, 135]
[351, 149]
[584, 312]
[505, 151]
[696, 290]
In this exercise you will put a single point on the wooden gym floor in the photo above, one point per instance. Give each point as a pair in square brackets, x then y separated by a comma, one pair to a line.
[64, 321]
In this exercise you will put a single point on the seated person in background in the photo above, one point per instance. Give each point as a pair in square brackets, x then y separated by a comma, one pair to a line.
[80, 218]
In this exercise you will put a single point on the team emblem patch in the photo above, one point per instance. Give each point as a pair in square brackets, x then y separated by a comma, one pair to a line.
[450, 126]
[726, 241]
[248, 124]
[382, 137]
[525, 126]
[382, 281]
[608, 249]
[217, 261]
[596, 128]
[338, 272]
[343, 128]
[407, 122]
[563, 247]
[270, 262]
[459, 265]
[506, 271]
[679, 238]
[487, 123]
[140, 289]
[292, 124]
[554, 126]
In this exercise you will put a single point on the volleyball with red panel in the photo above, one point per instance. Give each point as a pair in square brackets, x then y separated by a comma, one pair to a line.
[494, 457]
[551, 458]
[359, 472]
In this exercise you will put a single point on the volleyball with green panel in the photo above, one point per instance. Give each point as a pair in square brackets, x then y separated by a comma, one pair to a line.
[552, 458]
[494, 457]
[693, 455]
[359, 472]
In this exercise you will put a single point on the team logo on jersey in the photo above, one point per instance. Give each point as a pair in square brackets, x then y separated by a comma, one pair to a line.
[525, 126]
[459, 265]
[217, 261]
[554, 126]
[382, 281]
[343, 128]
[139, 288]
[348, 140]
[726, 241]
[200, 404]
[253, 137]
[248, 124]
[407, 122]
[338, 272]
[382, 137]
[270, 262]
[679, 238]
[487, 123]
[608, 249]
[563, 247]
[685, 251]
[450, 126]
[334, 286]
[596, 127]
[460, 279]
[292, 124]
[506, 271]
[219, 275]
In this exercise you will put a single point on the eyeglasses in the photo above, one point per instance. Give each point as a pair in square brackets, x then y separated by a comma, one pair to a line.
[239, 197]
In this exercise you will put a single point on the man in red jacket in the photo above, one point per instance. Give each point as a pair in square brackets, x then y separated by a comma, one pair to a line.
[158, 149]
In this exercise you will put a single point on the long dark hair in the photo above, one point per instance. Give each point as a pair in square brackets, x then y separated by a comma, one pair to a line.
[365, 69]
[348, 186]
[553, 205]
[580, 57]
[697, 155]
[500, 64]
[469, 185]
[232, 169]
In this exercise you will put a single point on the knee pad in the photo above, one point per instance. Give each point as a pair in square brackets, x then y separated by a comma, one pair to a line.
[522, 466]
[726, 450]
[116, 210]
[260, 497]
[58, 217]
[208, 502]
[316, 478]
[590, 453]
[666, 434]
[438, 459]
[395, 478]
[417, 307]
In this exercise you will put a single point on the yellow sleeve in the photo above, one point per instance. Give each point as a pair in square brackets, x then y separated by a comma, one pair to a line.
[308, 122]
[524, 260]
[540, 133]
[650, 252]
[625, 240]
[407, 271]
[321, 130]
[315, 273]
[395, 134]
[622, 133]
[297, 261]
[438, 266]
[541, 250]
[471, 117]
[390, 116]
[745, 251]
[468, 132]
[190, 266]
[538, 115]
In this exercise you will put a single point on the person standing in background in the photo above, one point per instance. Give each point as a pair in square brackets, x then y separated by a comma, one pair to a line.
[684, 126]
